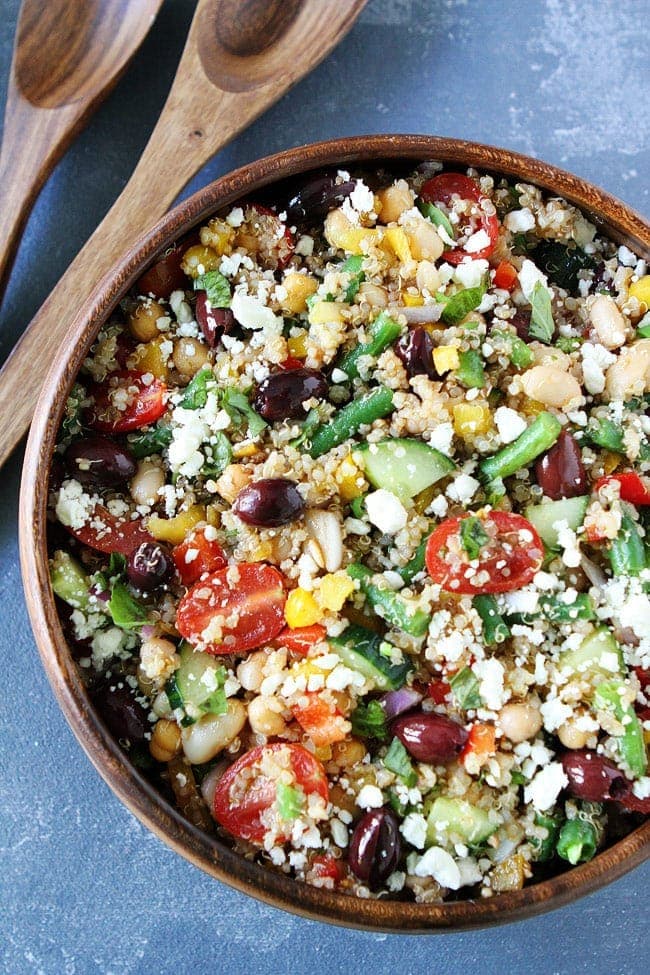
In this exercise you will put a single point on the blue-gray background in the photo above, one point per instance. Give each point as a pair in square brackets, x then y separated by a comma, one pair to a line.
[85, 888]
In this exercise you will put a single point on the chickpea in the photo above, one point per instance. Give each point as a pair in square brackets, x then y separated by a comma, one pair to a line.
[608, 322]
[298, 287]
[425, 241]
[349, 752]
[520, 721]
[552, 387]
[189, 356]
[199, 259]
[143, 320]
[250, 672]
[375, 296]
[232, 481]
[394, 200]
[336, 225]
[265, 717]
[146, 482]
[165, 741]
[571, 736]
[427, 277]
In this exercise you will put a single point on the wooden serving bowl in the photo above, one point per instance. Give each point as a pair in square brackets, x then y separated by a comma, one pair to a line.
[613, 218]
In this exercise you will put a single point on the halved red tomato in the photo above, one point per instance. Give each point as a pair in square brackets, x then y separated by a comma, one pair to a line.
[632, 487]
[233, 611]
[323, 866]
[301, 639]
[508, 560]
[106, 533]
[441, 189]
[505, 276]
[125, 402]
[197, 555]
[266, 236]
[245, 800]
[481, 743]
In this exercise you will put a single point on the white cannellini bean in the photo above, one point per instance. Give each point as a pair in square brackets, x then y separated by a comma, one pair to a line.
[325, 528]
[520, 721]
[212, 733]
[146, 482]
[552, 387]
[608, 322]
[376, 296]
[209, 784]
[630, 374]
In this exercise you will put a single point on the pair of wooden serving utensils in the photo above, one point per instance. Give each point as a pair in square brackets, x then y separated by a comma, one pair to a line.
[240, 57]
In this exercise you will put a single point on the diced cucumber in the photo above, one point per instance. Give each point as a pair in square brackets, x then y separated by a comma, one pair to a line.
[608, 696]
[391, 606]
[404, 467]
[459, 820]
[197, 685]
[599, 655]
[372, 656]
[546, 516]
[69, 581]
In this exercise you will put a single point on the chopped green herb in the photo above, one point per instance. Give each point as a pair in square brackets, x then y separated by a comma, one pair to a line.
[290, 801]
[126, 612]
[315, 298]
[151, 441]
[545, 848]
[436, 216]
[219, 453]
[71, 424]
[462, 303]
[216, 287]
[517, 350]
[369, 721]
[311, 423]
[196, 392]
[473, 536]
[465, 688]
[397, 760]
[542, 325]
[358, 506]
[568, 343]
[236, 405]
[518, 778]
[643, 328]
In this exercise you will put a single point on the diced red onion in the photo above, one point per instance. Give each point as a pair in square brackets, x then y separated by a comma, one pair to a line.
[396, 702]
[593, 572]
[147, 632]
[422, 314]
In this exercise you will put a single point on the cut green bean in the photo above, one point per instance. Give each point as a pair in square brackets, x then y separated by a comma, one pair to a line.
[347, 421]
[544, 849]
[578, 841]
[538, 437]
[627, 551]
[390, 605]
[412, 568]
[608, 696]
[383, 332]
[495, 629]
[518, 352]
[557, 611]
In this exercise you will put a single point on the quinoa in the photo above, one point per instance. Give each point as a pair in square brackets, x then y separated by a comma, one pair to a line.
[355, 507]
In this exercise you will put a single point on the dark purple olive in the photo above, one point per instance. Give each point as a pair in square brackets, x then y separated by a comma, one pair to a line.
[126, 719]
[149, 566]
[430, 737]
[269, 502]
[57, 472]
[166, 275]
[317, 197]
[593, 777]
[214, 322]
[560, 472]
[280, 396]
[415, 351]
[521, 323]
[602, 280]
[98, 461]
[375, 847]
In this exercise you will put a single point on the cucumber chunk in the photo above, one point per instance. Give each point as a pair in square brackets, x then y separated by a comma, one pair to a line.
[69, 581]
[197, 685]
[459, 820]
[371, 655]
[545, 517]
[404, 467]
[599, 655]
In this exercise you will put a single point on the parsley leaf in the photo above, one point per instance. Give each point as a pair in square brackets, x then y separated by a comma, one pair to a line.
[473, 536]
[151, 441]
[462, 303]
[437, 217]
[236, 405]
[542, 325]
[464, 686]
[219, 455]
[369, 721]
[290, 801]
[125, 611]
[397, 760]
[216, 287]
[196, 391]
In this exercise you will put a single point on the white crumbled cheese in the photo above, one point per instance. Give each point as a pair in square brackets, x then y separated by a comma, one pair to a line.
[182, 310]
[521, 601]
[545, 581]
[251, 313]
[414, 830]
[305, 246]
[342, 677]
[470, 273]
[635, 613]
[440, 865]
[509, 423]
[546, 786]
[370, 797]
[74, 507]
[360, 201]
[519, 221]
[491, 673]
[107, 644]
[529, 276]
[236, 217]
[463, 488]
[439, 506]
[338, 376]
[595, 359]
[555, 712]
[396, 881]
[386, 511]
[477, 242]
[230, 264]
[442, 437]
[568, 542]
[626, 257]
[641, 787]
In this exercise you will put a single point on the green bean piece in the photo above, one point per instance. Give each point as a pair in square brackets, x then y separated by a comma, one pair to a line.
[608, 697]
[470, 371]
[627, 551]
[412, 568]
[518, 352]
[544, 849]
[578, 841]
[538, 437]
[69, 581]
[557, 611]
[390, 605]
[345, 423]
[383, 332]
[495, 629]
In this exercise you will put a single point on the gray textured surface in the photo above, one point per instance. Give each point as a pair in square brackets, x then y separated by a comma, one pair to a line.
[85, 888]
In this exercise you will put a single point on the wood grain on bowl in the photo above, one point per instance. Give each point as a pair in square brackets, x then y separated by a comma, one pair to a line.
[205, 850]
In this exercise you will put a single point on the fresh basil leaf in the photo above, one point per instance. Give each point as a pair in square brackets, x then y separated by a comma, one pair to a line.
[541, 325]
[473, 536]
[236, 405]
[219, 455]
[216, 287]
[568, 343]
[151, 441]
[461, 304]
[437, 217]
[369, 721]
[126, 612]
[290, 801]
[465, 688]
[397, 760]
[116, 565]
[196, 391]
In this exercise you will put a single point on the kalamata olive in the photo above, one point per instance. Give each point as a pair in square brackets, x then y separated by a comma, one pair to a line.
[149, 566]
[430, 737]
[375, 847]
[165, 275]
[214, 322]
[281, 395]
[126, 719]
[593, 777]
[560, 472]
[415, 351]
[99, 461]
[521, 323]
[317, 197]
[270, 502]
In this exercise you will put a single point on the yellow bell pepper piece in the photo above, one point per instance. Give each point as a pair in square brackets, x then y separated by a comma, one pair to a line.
[350, 480]
[641, 290]
[326, 312]
[397, 242]
[301, 609]
[445, 358]
[412, 301]
[354, 239]
[297, 345]
[174, 530]
[472, 419]
[334, 590]
[149, 357]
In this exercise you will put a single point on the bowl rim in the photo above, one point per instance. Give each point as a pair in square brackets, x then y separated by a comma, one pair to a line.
[612, 217]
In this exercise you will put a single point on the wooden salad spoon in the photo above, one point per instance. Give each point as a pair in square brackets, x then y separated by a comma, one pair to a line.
[68, 55]
[239, 58]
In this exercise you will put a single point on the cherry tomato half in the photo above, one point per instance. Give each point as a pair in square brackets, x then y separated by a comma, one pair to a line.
[633, 487]
[106, 533]
[125, 402]
[197, 555]
[255, 602]
[302, 639]
[441, 189]
[245, 797]
[509, 559]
